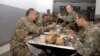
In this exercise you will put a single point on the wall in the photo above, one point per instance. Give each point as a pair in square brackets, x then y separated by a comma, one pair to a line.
[8, 17]
[12, 10]
[82, 5]
[40, 6]
[97, 12]
[43, 5]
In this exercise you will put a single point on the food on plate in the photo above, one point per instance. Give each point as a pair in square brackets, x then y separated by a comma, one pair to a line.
[60, 41]
[55, 38]
[51, 38]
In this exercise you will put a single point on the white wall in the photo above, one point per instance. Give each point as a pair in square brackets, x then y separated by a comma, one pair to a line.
[43, 5]
[23, 4]
[97, 12]
[39, 5]
[82, 5]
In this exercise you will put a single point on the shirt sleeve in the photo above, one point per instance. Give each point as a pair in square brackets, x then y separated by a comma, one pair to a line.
[33, 28]
[88, 44]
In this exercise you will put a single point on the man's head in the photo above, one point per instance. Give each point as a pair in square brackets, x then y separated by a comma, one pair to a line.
[31, 14]
[45, 17]
[81, 19]
[69, 8]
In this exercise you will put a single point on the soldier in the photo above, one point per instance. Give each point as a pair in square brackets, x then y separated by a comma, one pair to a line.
[88, 42]
[71, 13]
[44, 22]
[23, 27]
[70, 18]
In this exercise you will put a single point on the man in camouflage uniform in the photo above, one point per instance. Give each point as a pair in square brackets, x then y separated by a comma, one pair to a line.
[44, 22]
[71, 13]
[88, 42]
[70, 18]
[23, 27]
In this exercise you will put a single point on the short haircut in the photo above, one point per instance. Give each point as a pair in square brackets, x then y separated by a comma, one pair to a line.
[38, 13]
[70, 5]
[83, 15]
[28, 11]
[44, 15]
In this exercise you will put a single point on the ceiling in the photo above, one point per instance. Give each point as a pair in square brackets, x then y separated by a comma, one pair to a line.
[76, 1]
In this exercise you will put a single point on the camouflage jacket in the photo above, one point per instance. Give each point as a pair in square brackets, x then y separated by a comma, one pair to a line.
[88, 43]
[70, 17]
[70, 20]
[23, 27]
[41, 23]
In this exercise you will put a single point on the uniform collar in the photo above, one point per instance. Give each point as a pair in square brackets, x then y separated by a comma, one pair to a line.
[89, 26]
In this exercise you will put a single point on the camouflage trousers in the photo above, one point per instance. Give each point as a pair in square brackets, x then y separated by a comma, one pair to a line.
[21, 51]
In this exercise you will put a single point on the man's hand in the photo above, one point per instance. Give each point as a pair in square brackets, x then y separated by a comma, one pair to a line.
[71, 34]
[63, 24]
[50, 27]
[27, 38]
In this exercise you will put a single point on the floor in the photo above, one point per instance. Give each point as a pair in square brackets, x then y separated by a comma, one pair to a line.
[4, 50]
[6, 54]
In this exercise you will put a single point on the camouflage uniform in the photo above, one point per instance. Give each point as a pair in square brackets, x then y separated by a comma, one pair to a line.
[23, 27]
[70, 20]
[41, 23]
[88, 43]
